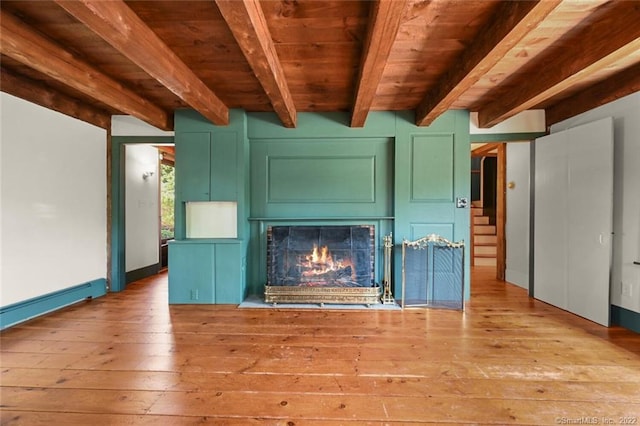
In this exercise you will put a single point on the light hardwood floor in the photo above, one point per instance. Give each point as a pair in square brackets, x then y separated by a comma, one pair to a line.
[129, 358]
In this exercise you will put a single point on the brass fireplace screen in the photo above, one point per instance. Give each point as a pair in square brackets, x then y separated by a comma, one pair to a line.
[433, 273]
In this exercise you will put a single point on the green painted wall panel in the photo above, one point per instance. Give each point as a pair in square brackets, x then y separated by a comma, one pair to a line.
[191, 275]
[228, 273]
[212, 268]
[328, 125]
[407, 186]
[432, 168]
[303, 178]
[322, 179]
[419, 230]
[206, 272]
[424, 200]
[224, 164]
[194, 150]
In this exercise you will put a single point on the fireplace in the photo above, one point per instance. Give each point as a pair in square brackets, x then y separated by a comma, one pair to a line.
[321, 264]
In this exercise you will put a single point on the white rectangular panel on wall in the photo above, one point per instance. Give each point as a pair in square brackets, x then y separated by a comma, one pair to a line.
[212, 219]
[573, 219]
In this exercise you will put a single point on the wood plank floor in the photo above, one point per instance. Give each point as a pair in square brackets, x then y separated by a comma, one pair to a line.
[129, 358]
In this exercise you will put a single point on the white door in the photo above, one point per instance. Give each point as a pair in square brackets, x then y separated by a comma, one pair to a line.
[573, 219]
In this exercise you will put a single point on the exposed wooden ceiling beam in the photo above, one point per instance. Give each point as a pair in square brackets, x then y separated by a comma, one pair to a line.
[600, 44]
[249, 27]
[512, 21]
[119, 26]
[41, 94]
[485, 150]
[615, 87]
[30, 48]
[384, 23]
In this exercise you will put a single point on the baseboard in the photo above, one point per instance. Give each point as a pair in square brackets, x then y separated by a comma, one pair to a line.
[138, 274]
[31, 308]
[625, 318]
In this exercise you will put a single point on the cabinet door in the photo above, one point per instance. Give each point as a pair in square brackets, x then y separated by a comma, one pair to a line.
[193, 152]
[228, 273]
[191, 278]
[224, 169]
[573, 219]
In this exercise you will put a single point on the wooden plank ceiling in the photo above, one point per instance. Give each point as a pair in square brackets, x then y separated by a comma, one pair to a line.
[91, 59]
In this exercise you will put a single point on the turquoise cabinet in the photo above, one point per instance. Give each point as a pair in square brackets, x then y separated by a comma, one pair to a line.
[223, 180]
[207, 166]
[193, 169]
[205, 272]
[210, 166]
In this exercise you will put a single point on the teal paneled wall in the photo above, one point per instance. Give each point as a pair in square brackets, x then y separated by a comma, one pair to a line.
[392, 174]
[318, 181]
[321, 172]
[211, 165]
[321, 178]
[205, 271]
[432, 168]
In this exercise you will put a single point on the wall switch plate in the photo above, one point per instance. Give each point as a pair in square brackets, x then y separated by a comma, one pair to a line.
[462, 202]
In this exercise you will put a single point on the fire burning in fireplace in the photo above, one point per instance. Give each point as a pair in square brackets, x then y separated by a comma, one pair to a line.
[320, 263]
[321, 256]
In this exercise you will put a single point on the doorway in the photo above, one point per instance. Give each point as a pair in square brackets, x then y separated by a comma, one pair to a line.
[488, 206]
[117, 275]
[167, 201]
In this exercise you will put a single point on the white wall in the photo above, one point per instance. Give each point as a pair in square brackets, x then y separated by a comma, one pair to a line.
[53, 228]
[625, 277]
[141, 207]
[517, 226]
[126, 125]
[530, 121]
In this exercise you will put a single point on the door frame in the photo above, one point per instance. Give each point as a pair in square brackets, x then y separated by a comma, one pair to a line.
[116, 217]
[501, 205]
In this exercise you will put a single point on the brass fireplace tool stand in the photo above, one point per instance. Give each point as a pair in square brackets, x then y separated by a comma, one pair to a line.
[387, 297]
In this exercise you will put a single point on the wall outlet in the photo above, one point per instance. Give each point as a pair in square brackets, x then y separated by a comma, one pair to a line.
[627, 289]
[195, 294]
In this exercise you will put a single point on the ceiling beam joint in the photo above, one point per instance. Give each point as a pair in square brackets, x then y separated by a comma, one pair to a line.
[119, 26]
[248, 24]
[32, 49]
[511, 23]
[385, 19]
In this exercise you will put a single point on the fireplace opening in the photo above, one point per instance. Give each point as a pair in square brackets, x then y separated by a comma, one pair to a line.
[321, 264]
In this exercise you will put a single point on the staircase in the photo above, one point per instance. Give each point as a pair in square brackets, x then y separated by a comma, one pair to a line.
[484, 239]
